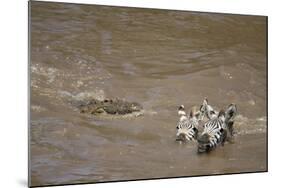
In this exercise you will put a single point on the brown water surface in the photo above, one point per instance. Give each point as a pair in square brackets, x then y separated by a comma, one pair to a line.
[161, 59]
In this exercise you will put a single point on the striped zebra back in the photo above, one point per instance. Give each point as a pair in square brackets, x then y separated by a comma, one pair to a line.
[214, 134]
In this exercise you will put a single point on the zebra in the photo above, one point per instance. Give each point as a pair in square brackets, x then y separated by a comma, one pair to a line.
[207, 110]
[214, 133]
[187, 127]
[217, 129]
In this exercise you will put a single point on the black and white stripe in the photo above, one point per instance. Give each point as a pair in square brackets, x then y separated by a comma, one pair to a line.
[214, 133]
[217, 129]
[187, 126]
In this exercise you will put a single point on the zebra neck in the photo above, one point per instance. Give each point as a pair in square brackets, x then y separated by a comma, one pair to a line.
[181, 113]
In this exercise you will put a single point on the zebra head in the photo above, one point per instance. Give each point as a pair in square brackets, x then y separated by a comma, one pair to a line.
[213, 134]
[187, 126]
[207, 110]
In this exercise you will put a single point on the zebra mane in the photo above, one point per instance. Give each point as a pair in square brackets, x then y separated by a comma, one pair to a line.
[207, 110]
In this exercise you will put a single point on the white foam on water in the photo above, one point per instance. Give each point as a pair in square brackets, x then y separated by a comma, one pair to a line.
[244, 125]
[97, 94]
[50, 73]
[84, 96]
[37, 108]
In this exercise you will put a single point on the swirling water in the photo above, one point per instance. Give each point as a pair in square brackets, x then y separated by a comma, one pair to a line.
[158, 58]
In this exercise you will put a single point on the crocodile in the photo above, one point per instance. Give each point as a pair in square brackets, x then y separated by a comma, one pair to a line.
[109, 106]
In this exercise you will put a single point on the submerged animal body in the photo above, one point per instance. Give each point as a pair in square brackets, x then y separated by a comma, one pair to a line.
[187, 127]
[110, 106]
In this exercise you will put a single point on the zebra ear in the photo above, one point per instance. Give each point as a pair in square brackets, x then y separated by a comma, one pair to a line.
[201, 108]
[191, 114]
[231, 112]
[181, 107]
[205, 102]
[221, 114]
[197, 115]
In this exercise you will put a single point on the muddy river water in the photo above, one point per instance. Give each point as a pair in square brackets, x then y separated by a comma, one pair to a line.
[160, 59]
